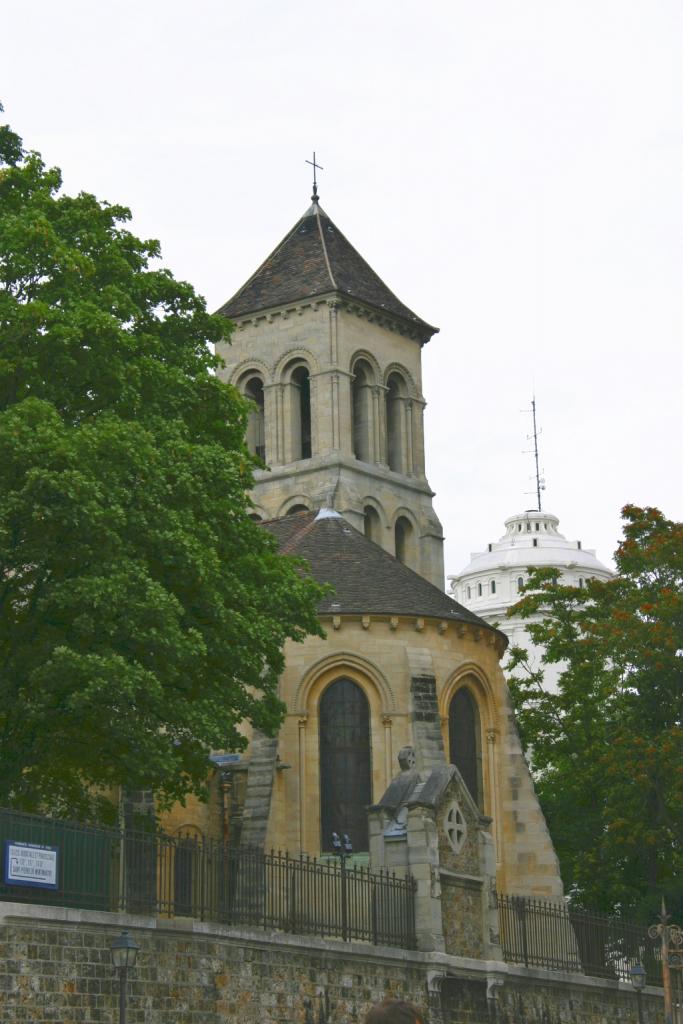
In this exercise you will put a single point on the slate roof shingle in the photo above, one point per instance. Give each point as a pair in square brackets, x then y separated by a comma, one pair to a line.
[367, 580]
[316, 259]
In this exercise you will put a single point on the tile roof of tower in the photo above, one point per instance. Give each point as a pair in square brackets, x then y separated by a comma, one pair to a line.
[367, 580]
[315, 259]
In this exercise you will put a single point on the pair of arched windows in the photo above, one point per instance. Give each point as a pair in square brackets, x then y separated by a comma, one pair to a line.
[346, 757]
[366, 432]
[404, 535]
[297, 413]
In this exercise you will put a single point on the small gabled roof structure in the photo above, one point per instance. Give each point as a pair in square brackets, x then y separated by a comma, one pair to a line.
[313, 260]
[367, 580]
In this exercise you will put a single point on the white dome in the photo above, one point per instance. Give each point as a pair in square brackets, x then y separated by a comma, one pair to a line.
[532, 539]
[490, 583]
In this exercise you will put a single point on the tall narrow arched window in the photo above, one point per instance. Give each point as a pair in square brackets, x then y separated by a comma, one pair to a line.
[256, 425]
[301, 414]
[345, 764]
[493, 586]
[361, 412]
[520, 584]
[371, 524]
[404, 541]
[395, 397]
[464, 735]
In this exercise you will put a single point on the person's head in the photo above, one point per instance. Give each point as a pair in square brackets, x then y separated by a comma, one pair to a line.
[394, 1011]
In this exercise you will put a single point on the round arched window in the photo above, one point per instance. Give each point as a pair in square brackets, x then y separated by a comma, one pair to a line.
[345, 768]
[464, 732]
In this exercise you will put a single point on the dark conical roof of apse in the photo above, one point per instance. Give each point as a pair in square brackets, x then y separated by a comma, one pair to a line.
[366, 579]
[315, 259]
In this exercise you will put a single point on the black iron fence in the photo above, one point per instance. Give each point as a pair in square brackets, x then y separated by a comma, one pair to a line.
[155, 873]
[542, 933]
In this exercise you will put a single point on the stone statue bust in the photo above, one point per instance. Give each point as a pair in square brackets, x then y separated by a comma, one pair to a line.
[406, 758]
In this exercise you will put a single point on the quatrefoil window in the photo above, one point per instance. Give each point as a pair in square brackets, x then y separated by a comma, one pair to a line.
[455, 827]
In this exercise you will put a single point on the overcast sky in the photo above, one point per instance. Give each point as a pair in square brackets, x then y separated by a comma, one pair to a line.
[512, 169]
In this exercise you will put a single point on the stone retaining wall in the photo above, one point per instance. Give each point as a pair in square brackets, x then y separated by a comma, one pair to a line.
[55, 967]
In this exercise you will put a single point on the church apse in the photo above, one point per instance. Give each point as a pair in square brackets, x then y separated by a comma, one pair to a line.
[339, 359]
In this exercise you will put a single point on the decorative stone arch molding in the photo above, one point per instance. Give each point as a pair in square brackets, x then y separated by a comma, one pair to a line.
[248, 367]
[369, 677]
[401, 371]
[470, 674]
[373, 502]
[292, 358]
[294, 500]
[374, 520]
[363, 355]
[188, 831]
[258, 512]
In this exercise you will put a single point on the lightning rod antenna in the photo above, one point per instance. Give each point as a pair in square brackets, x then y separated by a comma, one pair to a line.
[535, 435]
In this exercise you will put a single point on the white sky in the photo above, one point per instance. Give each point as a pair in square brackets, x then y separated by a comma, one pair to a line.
[513, 169]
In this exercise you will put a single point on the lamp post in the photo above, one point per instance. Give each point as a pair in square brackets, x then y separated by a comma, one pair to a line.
[124, 953]
[671, 938]
[639, 981]
[343, 847]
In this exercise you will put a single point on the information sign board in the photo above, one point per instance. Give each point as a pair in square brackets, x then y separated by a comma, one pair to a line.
[30, 864]
[221, 760]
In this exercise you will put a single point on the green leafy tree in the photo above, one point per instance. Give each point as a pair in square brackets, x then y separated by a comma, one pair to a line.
[607, 747]
[142, 613]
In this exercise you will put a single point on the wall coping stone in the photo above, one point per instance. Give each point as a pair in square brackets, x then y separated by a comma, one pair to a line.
[448, 965]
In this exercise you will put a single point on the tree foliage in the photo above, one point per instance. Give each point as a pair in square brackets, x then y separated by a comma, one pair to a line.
[142, 613]
[607, 747]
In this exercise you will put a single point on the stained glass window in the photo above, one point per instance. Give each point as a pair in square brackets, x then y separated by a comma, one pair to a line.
[345, 787]
[464, 732]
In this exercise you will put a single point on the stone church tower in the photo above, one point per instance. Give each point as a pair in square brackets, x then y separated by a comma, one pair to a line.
[332, 361]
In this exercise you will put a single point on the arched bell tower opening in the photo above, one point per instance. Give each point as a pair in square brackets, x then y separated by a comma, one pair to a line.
[256, 426]
[362, 411]
[300, 409]
[395, 402]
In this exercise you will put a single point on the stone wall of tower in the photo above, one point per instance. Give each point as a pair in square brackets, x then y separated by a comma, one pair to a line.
[331, 339]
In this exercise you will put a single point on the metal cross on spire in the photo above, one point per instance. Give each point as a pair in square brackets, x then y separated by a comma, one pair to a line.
[316, 167]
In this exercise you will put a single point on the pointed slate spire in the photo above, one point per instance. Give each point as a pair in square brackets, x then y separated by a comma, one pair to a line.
[315, 259]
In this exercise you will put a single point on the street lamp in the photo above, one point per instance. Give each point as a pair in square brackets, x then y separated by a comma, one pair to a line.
[639, 981]
[343, 847]
[124, 953]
